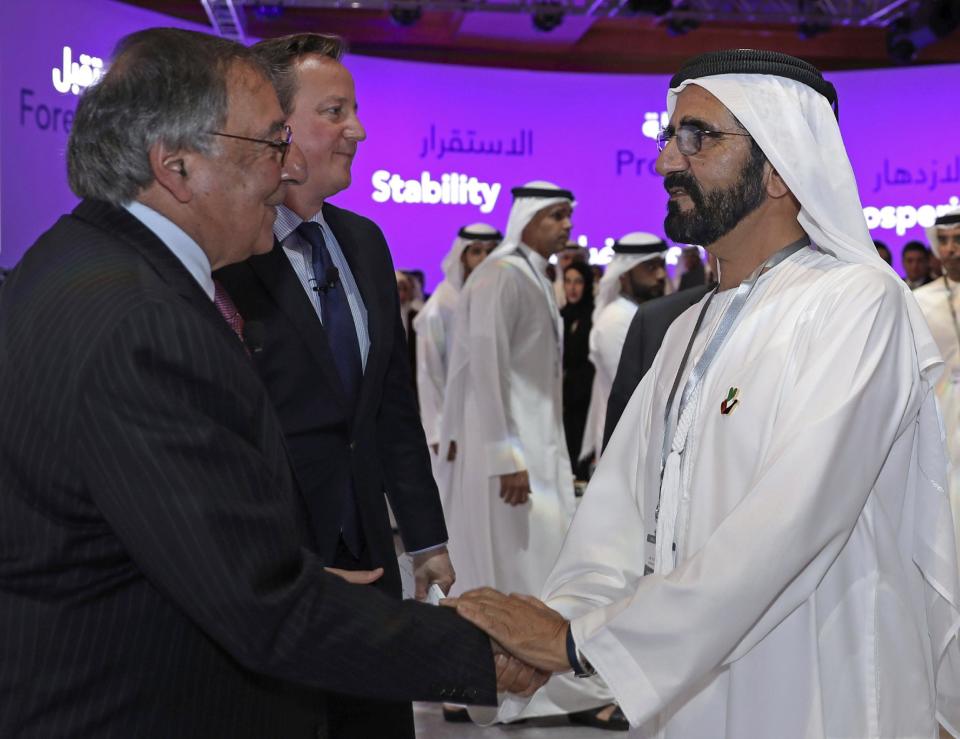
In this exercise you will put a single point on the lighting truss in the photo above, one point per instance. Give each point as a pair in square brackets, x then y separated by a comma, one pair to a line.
[877, 13]
[226, 17]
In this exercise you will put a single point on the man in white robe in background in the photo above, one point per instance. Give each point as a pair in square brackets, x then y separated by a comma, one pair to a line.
[434, 326]
[940, 302]
[637, 273]
[777, 559]
[510, 498]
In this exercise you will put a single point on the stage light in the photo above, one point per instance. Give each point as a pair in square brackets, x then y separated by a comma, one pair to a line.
[907, 35]
[405, 15]
[681, 27]
[648, 7]
[810, 29]
[547, 16]
[269, 10]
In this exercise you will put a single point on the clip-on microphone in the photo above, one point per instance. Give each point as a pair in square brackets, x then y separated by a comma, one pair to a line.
[330, 280]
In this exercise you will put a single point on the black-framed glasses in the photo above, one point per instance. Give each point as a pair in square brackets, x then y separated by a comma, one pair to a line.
[282, 144]
[689, 138]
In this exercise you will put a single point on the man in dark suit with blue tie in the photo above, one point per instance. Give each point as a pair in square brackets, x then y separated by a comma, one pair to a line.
[159, 574]
[334, 359]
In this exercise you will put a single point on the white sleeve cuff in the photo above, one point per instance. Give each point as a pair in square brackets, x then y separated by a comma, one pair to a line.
[504, 458]
[616, 666]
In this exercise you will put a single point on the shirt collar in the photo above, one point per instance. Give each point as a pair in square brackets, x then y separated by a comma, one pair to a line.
[538, 262]
[184, 248]
[287, 222]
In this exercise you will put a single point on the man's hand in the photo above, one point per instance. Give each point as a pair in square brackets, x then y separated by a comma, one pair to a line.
[433, 567]
[514, 676]
[357, 577]
[515, 488]
[523, 625]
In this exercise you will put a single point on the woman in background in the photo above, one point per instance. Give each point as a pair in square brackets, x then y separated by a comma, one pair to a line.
[577, 369]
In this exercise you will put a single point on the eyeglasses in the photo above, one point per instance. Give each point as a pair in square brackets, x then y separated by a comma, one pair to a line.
[282, 144]
[689, 138]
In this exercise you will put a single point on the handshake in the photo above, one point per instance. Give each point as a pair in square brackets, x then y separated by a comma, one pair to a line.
[529, 639]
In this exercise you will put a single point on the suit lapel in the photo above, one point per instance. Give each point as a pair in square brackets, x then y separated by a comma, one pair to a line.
[362, 275]
[164, 262]
[276, 273]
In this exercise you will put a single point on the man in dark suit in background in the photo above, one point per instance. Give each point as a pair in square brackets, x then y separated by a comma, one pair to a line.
[643, 341]
[157, 577]
[335, 360]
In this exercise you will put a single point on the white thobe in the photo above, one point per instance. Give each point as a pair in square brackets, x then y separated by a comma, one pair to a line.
[800, 601]
[607, 337]
[433, 327]
[935, 300]
[434, 330]
[512, 421]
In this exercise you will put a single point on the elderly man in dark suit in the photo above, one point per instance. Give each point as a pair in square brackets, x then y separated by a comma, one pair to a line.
[157, 572]
[335, 360]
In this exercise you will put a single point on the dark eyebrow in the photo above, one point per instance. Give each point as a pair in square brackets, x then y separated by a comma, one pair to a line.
[697, 123]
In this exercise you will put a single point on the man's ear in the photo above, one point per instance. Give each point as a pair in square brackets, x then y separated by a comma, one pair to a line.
[776, 187]
[171, 169]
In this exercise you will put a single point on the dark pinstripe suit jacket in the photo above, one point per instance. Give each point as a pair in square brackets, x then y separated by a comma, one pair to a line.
[379, 445]
[156, 577]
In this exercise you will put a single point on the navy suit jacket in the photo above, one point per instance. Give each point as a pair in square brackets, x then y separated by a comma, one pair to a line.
[157, 572]
[380, 444]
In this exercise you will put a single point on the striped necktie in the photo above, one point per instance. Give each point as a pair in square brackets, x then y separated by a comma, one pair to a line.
[228, 310]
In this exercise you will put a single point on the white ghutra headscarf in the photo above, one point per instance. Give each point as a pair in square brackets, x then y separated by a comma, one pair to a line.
[632, 249]
[950, 219]
[798, 132]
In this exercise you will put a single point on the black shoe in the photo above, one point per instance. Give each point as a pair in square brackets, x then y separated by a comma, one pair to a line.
[456, 715]
[616, 722]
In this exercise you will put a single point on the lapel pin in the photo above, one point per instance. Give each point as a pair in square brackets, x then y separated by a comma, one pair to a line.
[727, 406]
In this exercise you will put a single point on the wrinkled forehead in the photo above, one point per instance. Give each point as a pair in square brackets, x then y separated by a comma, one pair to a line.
[252, 103]
[697, 104]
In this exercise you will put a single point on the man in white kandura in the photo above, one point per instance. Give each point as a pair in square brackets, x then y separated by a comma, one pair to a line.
[637, 273]
[940, 302]
[434, 326]
[510, 498]
[766, 549]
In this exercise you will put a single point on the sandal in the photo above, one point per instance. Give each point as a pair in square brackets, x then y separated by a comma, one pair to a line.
[616, 722]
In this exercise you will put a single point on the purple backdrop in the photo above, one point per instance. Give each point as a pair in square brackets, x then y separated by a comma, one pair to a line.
[482, 130]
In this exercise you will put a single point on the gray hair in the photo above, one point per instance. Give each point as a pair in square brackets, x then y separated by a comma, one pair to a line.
[280, 55]
[164, 85]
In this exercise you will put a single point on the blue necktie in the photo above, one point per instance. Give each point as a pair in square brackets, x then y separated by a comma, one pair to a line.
[335, 314]
[344, 346]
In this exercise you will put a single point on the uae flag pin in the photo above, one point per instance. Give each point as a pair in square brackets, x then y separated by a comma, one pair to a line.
[727, 406]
